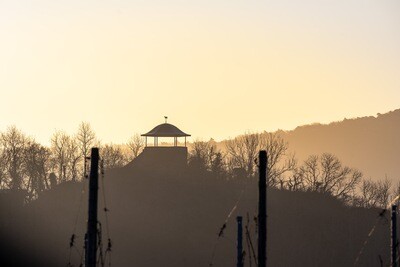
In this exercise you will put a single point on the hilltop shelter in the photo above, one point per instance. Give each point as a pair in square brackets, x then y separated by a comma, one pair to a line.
[165, 130]
[162, 159]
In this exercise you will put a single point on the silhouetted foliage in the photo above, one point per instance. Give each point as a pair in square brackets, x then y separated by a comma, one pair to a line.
[243, 151]
[26, 165]
[373, 194]
[36, 165]
[112, 156]
[86, 138]
[326, 174]
[136, 145]
[204, 156]
[13, 145]
[61, 147]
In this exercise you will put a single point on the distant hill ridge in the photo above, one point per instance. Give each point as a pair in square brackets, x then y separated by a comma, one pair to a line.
[389, 115]
[370, 144]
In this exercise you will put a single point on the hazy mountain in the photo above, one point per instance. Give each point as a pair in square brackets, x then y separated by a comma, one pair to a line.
[371, 144]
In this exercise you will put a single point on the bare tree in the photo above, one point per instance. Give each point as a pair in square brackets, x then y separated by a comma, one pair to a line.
[279, 161]
[59, 154]
[13, 144]
[198, 155]
[36, 159]
[73, 157]
[326, 174]
[243, 153]
[310, 173]
[66, 153]
[205, 156]
[368, 194]
[374, 194]
[3, 169]
[86, 139]
[24, 163]
[295, 182]
[384, 192]
[136, 145]
[112, 156]
[218, 165]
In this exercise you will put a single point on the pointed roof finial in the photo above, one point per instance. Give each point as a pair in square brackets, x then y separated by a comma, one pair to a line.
[166, 118]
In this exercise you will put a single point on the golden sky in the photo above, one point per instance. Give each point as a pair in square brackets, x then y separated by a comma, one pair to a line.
[216, 68]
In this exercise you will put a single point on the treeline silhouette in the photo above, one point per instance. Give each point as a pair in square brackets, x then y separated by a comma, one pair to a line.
[31, 168]
[28, 166]
[323, 173]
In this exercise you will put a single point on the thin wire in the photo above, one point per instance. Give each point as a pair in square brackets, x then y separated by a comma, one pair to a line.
[104, 198]
[77, 251]
[108, 252]
[251, 246]
[249, 251]
[80, 206]
[106, 210]
[72, 242]
[249, 242]
[247, 239]
[100, 258]
[80, 256]
[371, 232]
[221, 232]
[80, 200]
[365, 243]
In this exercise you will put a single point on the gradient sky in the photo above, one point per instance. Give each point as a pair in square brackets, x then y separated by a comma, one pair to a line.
[216, 68]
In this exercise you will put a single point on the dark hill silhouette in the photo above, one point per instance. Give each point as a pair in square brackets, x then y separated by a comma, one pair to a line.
[173, 220]
[164, 159]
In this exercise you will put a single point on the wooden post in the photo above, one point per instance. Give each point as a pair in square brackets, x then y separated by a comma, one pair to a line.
[262, 210]
[91, 247]
[395, 242]
[239, 242]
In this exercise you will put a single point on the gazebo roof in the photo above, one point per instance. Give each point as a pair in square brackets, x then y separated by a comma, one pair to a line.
[166, 130]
